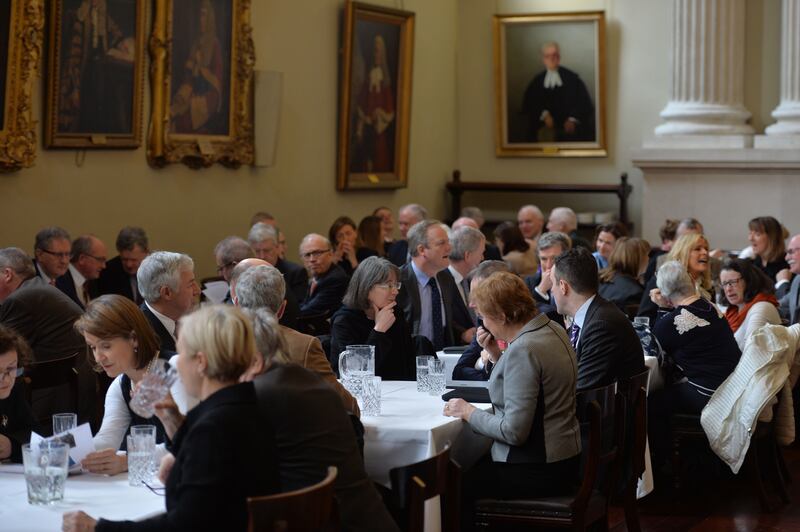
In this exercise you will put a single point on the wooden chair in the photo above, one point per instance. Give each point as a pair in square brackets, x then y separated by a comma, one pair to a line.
[308, 509]
[589, 504]
[633, 392]
[43, 375]
[414, 484]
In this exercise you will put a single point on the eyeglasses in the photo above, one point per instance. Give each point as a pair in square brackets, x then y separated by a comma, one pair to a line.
[390, 286]
[732, 282]
[12, 373]
[60, 255]
[315, 254]
[98, 259]
[227, 265]
[792, 251]
[158, 490]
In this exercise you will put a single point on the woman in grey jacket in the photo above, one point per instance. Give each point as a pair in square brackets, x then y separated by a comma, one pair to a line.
[536, 449]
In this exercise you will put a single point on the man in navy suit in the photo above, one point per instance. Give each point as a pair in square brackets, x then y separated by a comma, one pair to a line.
[607, 346]
[328, 281]
[87, 260]
[51, 252]
[407, 216]
[119, 277]
[167, 283]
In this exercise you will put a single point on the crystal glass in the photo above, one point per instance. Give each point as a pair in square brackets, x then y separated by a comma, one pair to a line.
[436, 377]
[45, 467]
[642, 320]
[355, 363]
[371, 396]
[147, 433]
[152, 389]
[141, 454]
[422, 373]
[64, 422]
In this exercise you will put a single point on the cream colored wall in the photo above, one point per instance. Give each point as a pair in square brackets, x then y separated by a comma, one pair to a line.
[190, 211]
[637, 88]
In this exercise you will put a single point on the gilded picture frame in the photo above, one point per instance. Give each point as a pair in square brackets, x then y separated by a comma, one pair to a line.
[95, 66]
[549, 72]
[21, 27]
[202, 80]
[375, 97]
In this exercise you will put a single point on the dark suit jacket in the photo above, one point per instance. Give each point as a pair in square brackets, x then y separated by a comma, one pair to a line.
[167, 342]
[115, 280]
[44, 316]
[224, 453]
[492, 252]
[398, 252]
[408, 300]
[312, 432]
[465, 367]
[788, 295]
[622, 290]
[328, 294]
[66, 284]
[296, 278]
[461, 315]
[609, 348]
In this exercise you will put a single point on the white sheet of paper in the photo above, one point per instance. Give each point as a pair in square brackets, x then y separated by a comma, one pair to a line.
[82, 435]
[215, 291]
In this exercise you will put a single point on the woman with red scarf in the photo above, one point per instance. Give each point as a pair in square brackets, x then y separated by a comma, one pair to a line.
[750, 297]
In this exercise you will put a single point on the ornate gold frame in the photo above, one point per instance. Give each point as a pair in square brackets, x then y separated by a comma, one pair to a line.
[504, 148]
[18, 136]
[99, 139]
[347, 180]
[198, 151]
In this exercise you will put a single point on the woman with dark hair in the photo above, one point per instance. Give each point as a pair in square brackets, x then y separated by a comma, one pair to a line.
[16, 418]
[619, 282]
[370, 238]
[369, 316]
[343, 235]
[122, 343]
[605, 238]
[750, 296]
[536, 439]
[516, 251]
[387, 224]
[767, 236]
[223, 452]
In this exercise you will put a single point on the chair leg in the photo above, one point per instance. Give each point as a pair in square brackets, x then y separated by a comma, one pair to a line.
[676, 463]
[631, 509]
[753, 464]
[777, 466]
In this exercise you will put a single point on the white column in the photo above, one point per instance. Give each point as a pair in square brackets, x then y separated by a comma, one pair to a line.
[786, 132]
[706, 98]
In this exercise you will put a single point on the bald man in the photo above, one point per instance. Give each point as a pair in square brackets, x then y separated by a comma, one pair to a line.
[530, 221]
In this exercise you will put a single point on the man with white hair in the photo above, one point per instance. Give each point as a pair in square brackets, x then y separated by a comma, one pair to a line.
[328, 280]
[530, 221]
[467, 246]
[787, 289]
[167, 284]
[256, 285]
[407, 216]
[490, 252]
[51, 252]
[564, 220]
[265, 241]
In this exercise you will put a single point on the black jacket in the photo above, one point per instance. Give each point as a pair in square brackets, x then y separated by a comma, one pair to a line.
[224, 453]
[394, 351]
[609, 348]
[408, 300]
[327, 296]
[622, 290]
[17, 421]
[167, 341]
[296, 278]
[115, 280]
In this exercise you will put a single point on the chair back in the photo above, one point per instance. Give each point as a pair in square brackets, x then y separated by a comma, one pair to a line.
[600, 438]
[413, 484]
[305, 510]
[633, 392]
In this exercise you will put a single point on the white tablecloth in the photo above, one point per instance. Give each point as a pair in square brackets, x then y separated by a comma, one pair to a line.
[97, 495]
[654, 382]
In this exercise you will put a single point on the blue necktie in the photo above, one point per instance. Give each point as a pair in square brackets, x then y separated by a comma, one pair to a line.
[436, 315]
[574, 333]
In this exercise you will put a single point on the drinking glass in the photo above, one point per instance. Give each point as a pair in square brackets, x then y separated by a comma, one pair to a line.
[422, 373]
[64, 422]
[371, 396]
[152, 389]
[436, 377]
[141, 454]
[355, 363]
[45, 467]
[147, 433]
[642, 320]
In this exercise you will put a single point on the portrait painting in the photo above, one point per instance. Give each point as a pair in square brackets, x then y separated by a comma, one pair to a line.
[375, 97]
[549, 80]
[202, 80]
[21, 37]
[95, 74]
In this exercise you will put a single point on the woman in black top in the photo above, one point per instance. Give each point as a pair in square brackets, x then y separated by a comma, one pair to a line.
[223, 452]
[16, 419]
[619, 282]
[343, 235]
[700, 344]
[766, 237]
[369, 316]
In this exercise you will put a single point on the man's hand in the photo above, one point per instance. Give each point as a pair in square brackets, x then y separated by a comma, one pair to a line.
[467, 335]
[546, 284]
